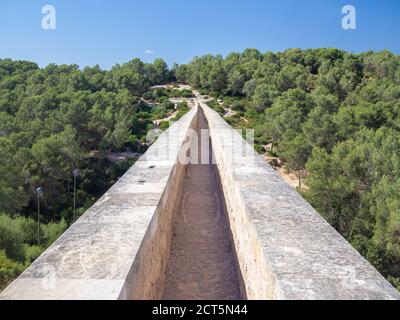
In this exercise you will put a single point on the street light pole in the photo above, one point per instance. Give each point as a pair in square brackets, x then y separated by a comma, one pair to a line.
[75, 173]
[39, 193]
[38, 220]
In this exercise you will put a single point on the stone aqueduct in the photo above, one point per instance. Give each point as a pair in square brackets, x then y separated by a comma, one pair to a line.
[248, 235]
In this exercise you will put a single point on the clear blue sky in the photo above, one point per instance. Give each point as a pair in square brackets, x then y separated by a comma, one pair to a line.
[106, 32]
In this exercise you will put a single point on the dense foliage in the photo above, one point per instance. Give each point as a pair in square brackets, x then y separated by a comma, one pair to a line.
[329, 114]
[332, 117]
[56, 119]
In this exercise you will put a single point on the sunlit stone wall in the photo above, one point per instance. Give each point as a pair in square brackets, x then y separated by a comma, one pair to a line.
[285, 249]
[119, 247]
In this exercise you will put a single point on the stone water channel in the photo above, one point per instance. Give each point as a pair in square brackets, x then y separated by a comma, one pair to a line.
[202, 263]
[165, 230]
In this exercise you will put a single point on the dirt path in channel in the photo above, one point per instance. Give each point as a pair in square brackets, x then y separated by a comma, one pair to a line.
[202, 264]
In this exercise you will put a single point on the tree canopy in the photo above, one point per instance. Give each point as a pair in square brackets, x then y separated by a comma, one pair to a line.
[60, 118]
[331, 115]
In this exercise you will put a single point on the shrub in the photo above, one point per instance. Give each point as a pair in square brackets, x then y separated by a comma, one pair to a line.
[164, 125]
[8, 270]
[31, 253]
[28, 228]
[237, 106]
[215, 105]
[11, 238]
[52, 231]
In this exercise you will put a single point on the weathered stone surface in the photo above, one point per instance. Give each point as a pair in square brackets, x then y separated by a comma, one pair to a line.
[202, 264]
[118, 248]
[286, 250]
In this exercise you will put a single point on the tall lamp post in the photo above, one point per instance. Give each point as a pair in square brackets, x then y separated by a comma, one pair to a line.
[76, 174]
[39, 193]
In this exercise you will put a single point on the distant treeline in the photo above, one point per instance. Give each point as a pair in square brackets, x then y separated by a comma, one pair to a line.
[334, 118]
